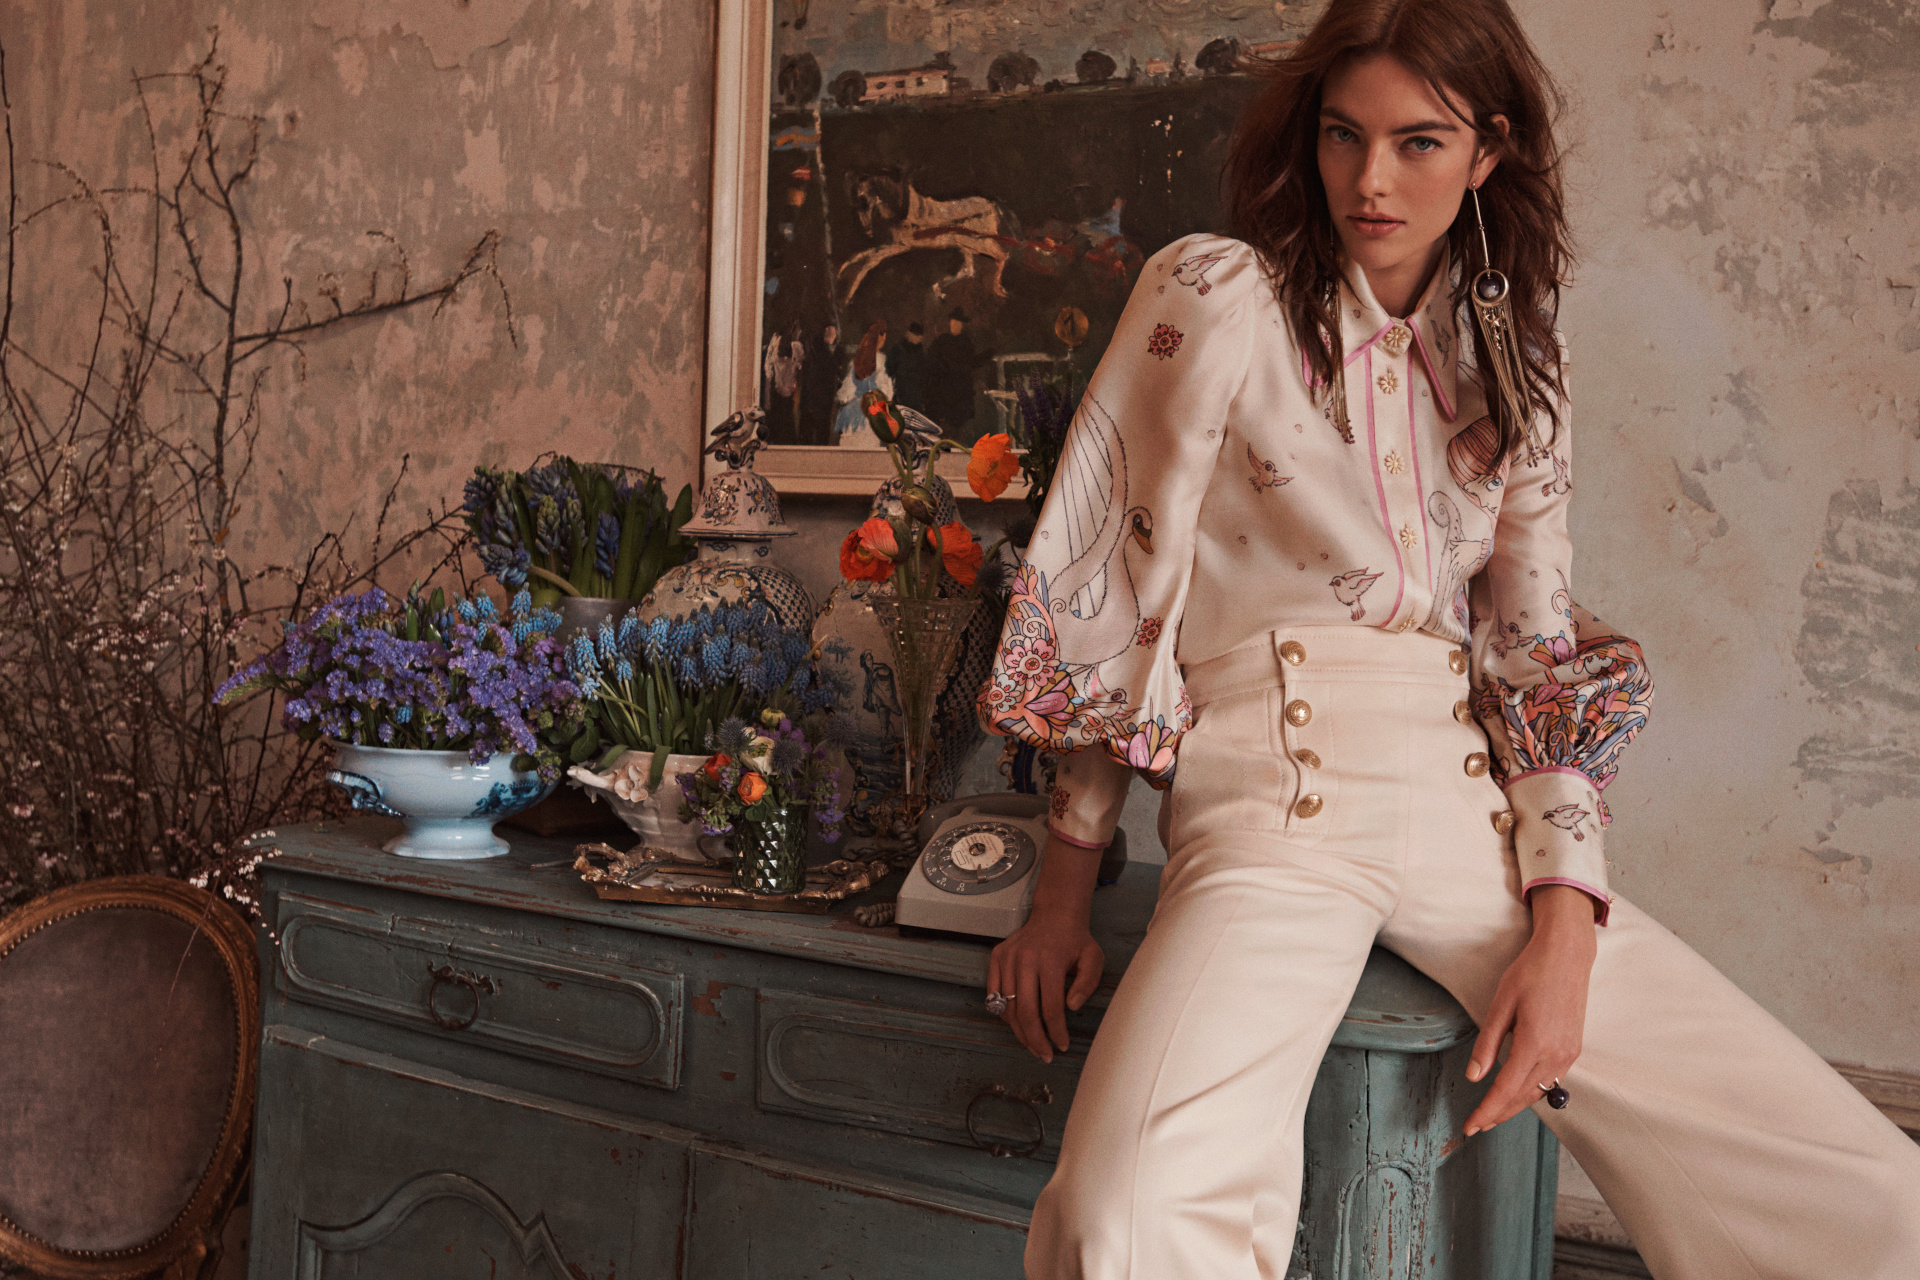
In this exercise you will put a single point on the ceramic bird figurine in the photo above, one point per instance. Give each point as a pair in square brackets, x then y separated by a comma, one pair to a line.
[1350, 586]
[737, 438]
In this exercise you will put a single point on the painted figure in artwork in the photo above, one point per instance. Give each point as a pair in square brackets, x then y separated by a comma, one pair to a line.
[819, 374]
[868, 372]
[951, 360]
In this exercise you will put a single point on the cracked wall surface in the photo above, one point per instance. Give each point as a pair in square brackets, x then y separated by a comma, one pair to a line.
[1743, 184]
[579, 131]
[1744, 189]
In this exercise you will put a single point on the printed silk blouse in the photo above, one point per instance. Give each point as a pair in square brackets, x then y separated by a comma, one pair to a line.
[1204, 497]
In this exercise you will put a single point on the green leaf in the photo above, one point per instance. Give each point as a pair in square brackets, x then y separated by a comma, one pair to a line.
[659, 769]
[613, 755]
[585, 745]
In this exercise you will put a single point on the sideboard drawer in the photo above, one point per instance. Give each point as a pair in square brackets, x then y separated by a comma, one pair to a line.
[954, 1079]
[592, 1012]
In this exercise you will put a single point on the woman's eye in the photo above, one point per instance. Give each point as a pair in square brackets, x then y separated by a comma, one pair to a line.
[1424, 145]
[1340, 133]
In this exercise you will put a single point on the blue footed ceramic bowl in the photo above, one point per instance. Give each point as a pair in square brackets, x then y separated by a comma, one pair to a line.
[448, 803]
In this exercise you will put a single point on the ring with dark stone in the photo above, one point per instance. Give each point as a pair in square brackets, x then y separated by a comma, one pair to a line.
[997, 1005]
[1556, 1096]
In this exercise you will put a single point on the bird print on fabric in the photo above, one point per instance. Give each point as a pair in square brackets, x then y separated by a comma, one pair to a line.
[1265, 474]
[1350, 586]
[1193, 271]
[1568, 817]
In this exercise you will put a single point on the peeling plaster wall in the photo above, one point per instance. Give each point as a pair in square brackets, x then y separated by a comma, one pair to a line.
[580, 131]
[1744, 190]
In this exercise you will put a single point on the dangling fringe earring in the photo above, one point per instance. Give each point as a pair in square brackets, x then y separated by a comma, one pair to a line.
[1337, 392]
[1493, 303]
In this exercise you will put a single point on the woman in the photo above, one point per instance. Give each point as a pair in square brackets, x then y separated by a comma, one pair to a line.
[1308, 537]
[868, 372]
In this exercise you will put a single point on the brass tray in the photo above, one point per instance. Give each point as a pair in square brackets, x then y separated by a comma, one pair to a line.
[645, 874]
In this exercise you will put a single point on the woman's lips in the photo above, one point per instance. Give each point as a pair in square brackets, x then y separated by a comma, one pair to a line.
[1370, 226]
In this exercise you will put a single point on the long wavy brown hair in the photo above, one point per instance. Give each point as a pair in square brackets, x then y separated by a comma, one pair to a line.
[1474, 55]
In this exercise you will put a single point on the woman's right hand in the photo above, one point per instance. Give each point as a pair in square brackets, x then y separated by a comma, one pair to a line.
[1031, 967]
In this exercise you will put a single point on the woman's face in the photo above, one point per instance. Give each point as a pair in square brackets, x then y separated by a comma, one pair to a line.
[1396, 162]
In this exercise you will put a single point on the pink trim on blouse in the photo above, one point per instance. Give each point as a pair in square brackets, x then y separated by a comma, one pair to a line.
[1078, 844]
[1439, 388]
[1413, 448]
[1604, 901]
[1551, 768]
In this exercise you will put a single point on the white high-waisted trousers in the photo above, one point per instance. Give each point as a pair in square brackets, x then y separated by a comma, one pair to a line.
[1727, 1147]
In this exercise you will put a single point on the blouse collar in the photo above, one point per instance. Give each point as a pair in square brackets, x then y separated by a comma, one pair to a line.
[1363, 322]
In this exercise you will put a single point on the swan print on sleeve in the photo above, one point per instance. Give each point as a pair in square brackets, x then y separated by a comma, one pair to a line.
[1046, 686]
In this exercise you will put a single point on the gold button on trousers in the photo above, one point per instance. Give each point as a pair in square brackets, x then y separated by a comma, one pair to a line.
[1728, 1148]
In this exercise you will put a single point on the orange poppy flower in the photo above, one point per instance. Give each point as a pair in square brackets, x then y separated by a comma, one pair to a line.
[960, 554]
[992, 465]
[714, 765]
[868, 552]
[880, 416]
[752, 787]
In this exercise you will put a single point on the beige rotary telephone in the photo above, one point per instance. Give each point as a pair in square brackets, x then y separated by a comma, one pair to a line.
[978, 860]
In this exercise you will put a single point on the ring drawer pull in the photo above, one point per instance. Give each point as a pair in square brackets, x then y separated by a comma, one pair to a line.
[1032, 1099]
[477, 983]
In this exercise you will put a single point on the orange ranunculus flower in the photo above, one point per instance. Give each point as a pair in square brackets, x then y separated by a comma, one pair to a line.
[714, 764]
[752, 787]
[959, 553]
[991, 465]
[869, 552]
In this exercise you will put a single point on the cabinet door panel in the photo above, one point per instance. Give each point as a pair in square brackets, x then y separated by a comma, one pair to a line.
[762, 1218]
[367, 1165]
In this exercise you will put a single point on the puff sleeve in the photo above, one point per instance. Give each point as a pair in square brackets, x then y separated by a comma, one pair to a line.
[1086, 656]
[1559, 693]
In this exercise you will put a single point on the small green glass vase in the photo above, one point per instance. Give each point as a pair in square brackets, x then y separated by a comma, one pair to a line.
[768, 856]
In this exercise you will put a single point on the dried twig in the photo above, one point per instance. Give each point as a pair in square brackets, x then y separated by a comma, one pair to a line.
[126, 606]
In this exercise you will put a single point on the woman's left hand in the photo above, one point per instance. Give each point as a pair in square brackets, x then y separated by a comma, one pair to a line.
[1542, 1000]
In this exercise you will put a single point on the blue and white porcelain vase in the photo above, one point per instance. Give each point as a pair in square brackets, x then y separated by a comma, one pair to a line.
[875, 758]
[447, 802]
[737, 523]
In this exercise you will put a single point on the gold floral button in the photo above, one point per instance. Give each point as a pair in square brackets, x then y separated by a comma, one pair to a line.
[1298, 713]
[1476, 764]
[1308, 806]
[1463, 712]
[1393, 464]
[1457, 662]
[1307, 758]
[1409, 536]
[1503, 822]
[1293, 651]
[1387, 383]
[1395, 340]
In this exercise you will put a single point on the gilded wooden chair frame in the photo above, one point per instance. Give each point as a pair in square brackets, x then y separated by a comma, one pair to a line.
[179, 1249]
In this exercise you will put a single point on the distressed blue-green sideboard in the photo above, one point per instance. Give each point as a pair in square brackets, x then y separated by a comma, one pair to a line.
[481, 1070]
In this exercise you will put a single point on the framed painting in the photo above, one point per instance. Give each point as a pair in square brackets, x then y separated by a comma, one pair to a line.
[949, 200]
